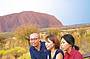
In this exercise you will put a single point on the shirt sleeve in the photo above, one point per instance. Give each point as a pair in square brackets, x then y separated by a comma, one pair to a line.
[32, 53]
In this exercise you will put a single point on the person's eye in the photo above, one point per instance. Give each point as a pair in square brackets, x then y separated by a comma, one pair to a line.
[62, 42]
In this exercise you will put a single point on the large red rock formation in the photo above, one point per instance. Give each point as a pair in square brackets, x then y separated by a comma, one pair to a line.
[8, 22]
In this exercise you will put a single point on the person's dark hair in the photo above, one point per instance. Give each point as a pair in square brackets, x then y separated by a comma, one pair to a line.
[54, 39]
[76, 47]
[70, 39]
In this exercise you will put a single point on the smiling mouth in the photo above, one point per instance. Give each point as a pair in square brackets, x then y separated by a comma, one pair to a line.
[32, 43]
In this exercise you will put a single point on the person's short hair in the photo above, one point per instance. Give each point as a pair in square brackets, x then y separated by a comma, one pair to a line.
[34, 35]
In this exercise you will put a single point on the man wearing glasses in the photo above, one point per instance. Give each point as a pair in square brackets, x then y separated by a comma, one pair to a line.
[38, 49]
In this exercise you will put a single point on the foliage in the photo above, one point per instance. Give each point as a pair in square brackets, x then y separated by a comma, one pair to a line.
[17, 50]
[55, 31]
[22, 32]
[3, 37]
[20, 49]
[25, 56]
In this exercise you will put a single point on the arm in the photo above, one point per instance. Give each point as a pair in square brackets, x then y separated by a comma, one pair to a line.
[59, 56]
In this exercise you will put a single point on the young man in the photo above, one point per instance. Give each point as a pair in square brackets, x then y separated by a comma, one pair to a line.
[37, 49]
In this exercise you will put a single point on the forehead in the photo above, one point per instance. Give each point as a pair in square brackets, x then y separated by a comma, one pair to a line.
[63, 40]
[34, 36]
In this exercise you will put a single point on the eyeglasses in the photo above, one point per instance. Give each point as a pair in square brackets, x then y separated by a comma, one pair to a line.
[34, 39]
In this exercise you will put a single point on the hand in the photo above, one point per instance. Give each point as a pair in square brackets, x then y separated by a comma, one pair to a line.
[49, 44]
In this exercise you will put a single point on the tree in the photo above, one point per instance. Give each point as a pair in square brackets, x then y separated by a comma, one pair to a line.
[55, 31]
[3, 37]
[22, 32]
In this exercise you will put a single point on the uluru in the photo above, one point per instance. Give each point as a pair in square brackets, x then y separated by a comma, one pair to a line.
[8, 22]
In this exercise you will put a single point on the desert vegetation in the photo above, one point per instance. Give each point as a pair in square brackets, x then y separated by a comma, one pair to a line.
[15, 45]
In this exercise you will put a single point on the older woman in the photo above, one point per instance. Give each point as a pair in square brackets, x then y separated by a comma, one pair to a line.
[68, 45]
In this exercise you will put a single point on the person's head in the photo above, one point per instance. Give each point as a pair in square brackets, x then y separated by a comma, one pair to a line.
[54, 40]
[34, 39]
[67, 41]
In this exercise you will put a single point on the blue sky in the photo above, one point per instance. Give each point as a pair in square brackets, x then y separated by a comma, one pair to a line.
[74, 11]
[67, 11]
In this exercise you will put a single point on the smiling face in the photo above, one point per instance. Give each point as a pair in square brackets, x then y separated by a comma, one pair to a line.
[35, 42]
[64, 45]
[35, 39]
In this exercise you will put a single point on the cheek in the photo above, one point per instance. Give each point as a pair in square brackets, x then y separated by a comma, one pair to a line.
[49, 46]
[31, 42]
[64, 46]
[36, 42]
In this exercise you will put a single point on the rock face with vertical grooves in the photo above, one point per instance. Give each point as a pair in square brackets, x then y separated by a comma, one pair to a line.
[8, 22]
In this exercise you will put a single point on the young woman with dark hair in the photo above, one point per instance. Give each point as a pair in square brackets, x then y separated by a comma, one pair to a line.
[68, 45]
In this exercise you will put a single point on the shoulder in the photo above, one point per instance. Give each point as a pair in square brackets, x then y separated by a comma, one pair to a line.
[59, 51]
[31, 48]
[59, 56]
[42, 42]
[78, 54]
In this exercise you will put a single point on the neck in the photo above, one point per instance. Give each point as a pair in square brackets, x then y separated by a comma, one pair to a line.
[69, 49]
[53, 49]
